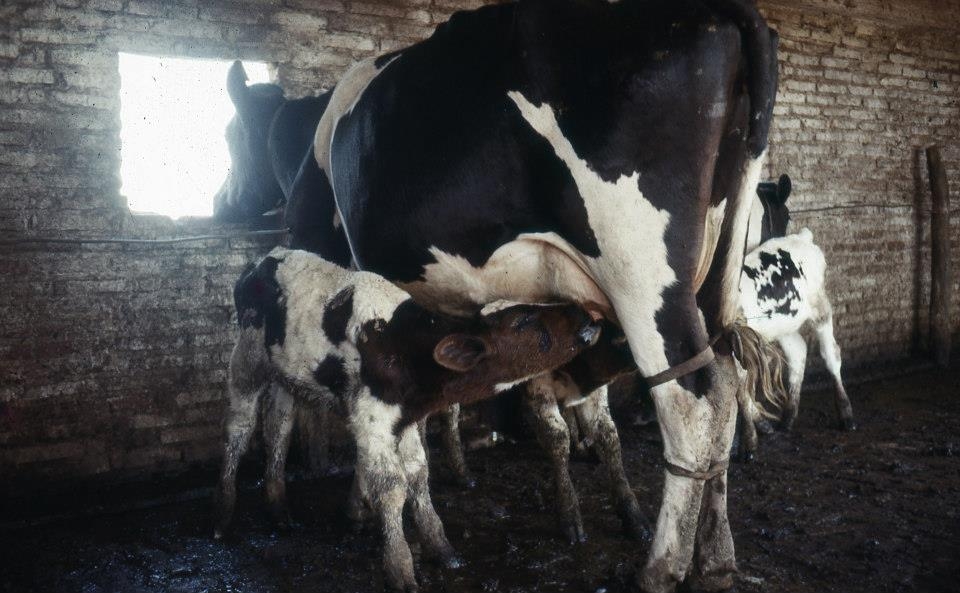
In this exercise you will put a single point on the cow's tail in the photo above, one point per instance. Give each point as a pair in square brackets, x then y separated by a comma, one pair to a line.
[764, 364]
[759, 44]
[759, 48]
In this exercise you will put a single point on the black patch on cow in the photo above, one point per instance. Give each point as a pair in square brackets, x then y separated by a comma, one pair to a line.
[782, 273]
[330, 373]
[336, 314]
[258, 299]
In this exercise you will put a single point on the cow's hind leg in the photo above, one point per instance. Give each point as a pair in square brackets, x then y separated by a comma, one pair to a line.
[830, 352]
[554, 437]
[596, 424]
[414, 461]
[278, 419]
[795, 352]
[697, 431]
[714, 559]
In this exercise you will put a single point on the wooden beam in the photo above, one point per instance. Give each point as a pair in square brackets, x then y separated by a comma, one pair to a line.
[941, 286]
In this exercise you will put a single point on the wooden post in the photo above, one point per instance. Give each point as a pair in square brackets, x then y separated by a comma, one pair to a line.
[940, 287]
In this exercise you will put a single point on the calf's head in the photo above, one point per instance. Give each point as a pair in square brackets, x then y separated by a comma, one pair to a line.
[425, 361]
[776, 215]
[251, 187]
[518, 342]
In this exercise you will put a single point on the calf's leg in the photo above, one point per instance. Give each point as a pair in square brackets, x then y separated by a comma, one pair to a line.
[597, 425]
[830, 352]
[554, 437]
[278, 419]
[453, 446]
[413, 458]
[241, 420]
[795, 352]
[380, 479]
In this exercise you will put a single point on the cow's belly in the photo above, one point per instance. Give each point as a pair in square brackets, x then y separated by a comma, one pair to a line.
[534, 268]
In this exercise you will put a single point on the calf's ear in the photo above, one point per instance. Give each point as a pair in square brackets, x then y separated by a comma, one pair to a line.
[460, 352]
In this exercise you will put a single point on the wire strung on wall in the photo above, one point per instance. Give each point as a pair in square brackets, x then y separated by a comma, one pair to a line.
[154, 242]
[861, 205]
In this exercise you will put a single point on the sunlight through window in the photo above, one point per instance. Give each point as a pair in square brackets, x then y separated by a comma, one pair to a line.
[173, 114]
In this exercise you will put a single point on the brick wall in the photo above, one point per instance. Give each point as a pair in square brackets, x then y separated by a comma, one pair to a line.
[112, 357]
[864, 86]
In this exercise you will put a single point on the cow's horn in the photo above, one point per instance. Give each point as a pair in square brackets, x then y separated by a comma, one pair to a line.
[237, 84]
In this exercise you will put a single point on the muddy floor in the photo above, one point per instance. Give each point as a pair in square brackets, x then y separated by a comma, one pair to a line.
[819, 510]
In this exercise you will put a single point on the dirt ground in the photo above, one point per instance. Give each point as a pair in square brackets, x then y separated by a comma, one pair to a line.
[819, 510]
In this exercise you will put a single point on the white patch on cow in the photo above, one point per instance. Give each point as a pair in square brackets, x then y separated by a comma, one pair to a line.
[711, 236]
[632, 267]
[534, 268]
[342, 101]
[733, 259]
[755, 226]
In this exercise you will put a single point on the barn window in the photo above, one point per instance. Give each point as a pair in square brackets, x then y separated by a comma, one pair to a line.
[173, 113]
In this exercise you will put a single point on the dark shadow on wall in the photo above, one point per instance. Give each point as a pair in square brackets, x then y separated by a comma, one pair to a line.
[918, 216]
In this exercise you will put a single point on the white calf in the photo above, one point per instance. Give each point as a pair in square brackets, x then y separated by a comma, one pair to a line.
[781, 291]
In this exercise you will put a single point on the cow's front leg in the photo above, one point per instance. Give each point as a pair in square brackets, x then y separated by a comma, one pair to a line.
[554, 437]
[414, 461]
[597, 425]
[697, 434]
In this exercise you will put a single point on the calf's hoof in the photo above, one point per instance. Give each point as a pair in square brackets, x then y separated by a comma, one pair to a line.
[575, 533]
[848, 424]
[466, 481]
[764, 426]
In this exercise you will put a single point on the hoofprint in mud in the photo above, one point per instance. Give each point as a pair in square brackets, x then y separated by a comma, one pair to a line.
[310, 330]
[542, 151]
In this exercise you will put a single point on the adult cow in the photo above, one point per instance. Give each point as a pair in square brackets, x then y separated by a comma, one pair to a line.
[601, 152]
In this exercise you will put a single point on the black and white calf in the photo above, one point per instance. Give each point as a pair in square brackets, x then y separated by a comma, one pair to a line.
[315, 331]
[781, 291]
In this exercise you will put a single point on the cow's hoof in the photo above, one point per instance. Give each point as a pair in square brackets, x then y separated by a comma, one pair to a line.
[848, 424]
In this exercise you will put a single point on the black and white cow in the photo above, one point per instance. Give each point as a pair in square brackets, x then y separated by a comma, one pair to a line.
[584, 150]
[357, 343]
